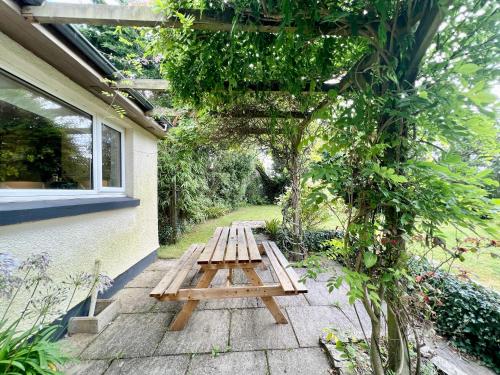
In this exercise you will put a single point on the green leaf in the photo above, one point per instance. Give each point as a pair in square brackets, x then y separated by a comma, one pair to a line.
[369, 259]
[467, 69]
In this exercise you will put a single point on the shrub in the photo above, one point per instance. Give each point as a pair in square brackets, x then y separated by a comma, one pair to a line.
[273, 227]
[465, 312]
[311, 213]
[216, 210]
[314, 240]
[207, 181]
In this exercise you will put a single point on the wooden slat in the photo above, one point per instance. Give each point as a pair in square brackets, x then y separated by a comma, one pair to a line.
[224, 266]
[170, 275]
[242, 245]
[220, 249]
[278, 269]
[231, 246]
[181, 275]
[268, 290]
[299, 287]
[206, 255]
[253, 250]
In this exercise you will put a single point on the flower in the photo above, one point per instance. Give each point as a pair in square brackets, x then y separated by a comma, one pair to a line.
[8, 280]
[80, 280]
[39, 262]
[7, 263]
[104, 282]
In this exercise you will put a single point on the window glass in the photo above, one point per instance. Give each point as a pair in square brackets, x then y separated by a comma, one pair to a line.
[44, 143]
[111, 157]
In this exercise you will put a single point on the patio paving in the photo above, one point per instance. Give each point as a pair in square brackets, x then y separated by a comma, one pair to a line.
[222, 337]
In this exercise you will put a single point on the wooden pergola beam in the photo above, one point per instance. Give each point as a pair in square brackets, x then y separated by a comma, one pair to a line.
[142, 84]
[146, 16]
[260, 114]
[161, 85]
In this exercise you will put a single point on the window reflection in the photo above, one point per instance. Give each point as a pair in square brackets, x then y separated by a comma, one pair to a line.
[111, 157]
[44, 143]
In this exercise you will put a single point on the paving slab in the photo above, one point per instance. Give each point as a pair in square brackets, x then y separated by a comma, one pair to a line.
[230, 303]
[256, 329]
[169, 365]
[322, 277]
[146, 279]
[288, 301]
[135, 300]
[162, 265]
[304, 361]
[318, 294]
[247, 363]
[130, 335]
[205, 331]
[86, 368]
[310, 322]
[74, 345]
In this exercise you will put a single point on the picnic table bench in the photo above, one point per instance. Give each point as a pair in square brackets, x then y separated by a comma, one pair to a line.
[229, 248]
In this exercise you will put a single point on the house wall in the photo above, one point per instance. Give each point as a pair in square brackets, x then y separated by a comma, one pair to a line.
[121, 237]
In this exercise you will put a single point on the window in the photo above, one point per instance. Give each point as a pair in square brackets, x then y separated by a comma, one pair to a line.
[44, 143]
[111, 157]
[48, 147]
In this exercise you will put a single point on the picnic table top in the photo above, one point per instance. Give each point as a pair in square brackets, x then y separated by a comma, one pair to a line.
[235, 244]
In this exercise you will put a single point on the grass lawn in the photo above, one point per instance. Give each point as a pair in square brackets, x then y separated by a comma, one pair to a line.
[202, 232]
[480, 266]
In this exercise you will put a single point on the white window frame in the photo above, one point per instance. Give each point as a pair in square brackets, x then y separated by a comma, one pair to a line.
[99, 186]
[97, 191]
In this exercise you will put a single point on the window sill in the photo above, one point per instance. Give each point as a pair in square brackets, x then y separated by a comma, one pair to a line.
[21, 212]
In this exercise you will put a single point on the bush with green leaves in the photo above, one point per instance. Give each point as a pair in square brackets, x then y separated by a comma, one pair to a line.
[208, 181]
[314, 240]
[272, 228]
[465, 312]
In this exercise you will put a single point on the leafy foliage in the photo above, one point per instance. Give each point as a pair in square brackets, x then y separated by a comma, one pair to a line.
[392, 131]
[314, 240]
[32, 352]
[208, 181]
[465, 312]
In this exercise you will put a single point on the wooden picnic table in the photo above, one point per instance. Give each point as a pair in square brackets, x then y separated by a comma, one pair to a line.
[229, 248]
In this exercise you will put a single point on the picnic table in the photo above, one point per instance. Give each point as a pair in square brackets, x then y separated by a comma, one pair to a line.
[229, 248]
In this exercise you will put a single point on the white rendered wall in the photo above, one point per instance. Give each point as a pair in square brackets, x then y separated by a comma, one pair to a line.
[120, 238]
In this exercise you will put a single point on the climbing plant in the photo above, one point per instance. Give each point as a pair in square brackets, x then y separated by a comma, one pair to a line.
[397, 88]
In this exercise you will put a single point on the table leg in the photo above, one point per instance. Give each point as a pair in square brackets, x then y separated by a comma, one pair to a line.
[270, 303]
[183, 316]
[229, 277]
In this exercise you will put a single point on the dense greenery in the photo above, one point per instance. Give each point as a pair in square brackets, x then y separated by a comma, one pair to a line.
[465, 312]
[314, 240]
[208, 181]
[393, 129]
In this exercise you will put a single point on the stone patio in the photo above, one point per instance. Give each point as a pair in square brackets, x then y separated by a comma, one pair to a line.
[232, 336]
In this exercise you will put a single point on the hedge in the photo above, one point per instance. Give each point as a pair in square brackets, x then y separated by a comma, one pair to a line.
[467, 313]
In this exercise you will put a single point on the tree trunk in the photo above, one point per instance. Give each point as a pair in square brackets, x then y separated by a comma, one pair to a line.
[295, 203]
[398, 355]
[173, 210]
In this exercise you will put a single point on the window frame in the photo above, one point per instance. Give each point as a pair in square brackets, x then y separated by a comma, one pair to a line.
[122, 158]
[14, 195]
